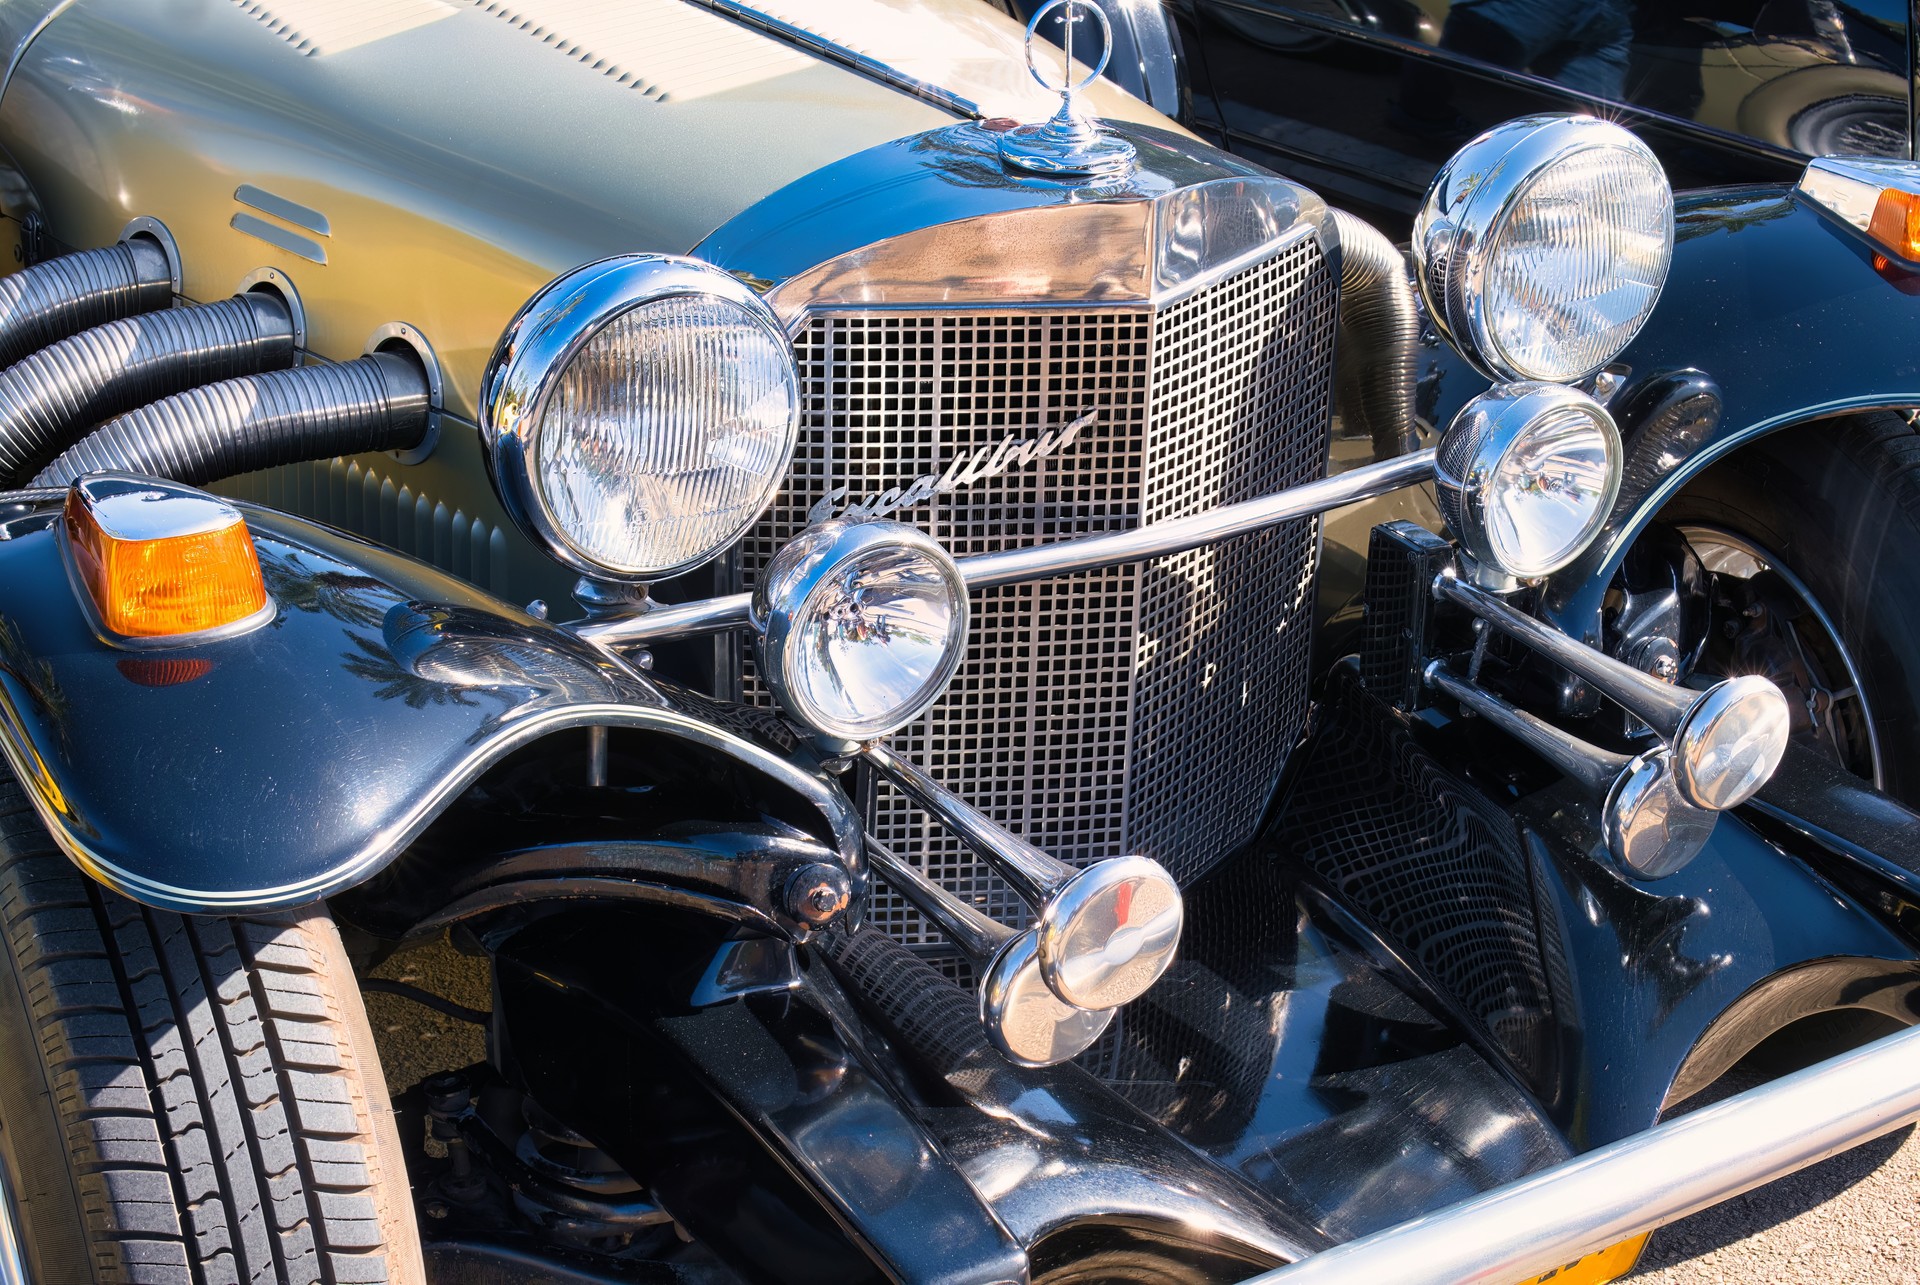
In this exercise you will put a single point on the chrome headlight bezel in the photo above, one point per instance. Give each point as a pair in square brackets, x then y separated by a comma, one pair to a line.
[1485, 432]
[536, 349]
[1467, 209]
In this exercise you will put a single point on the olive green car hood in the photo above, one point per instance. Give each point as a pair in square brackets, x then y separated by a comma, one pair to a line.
[436, 161]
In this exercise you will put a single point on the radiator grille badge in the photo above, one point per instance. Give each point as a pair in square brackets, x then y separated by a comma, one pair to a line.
[964, 469]
[1071, 144]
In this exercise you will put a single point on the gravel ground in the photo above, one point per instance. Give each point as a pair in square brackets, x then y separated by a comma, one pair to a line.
[1852, 1220]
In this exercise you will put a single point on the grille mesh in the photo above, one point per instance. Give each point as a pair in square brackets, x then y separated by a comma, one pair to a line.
[1142, 708]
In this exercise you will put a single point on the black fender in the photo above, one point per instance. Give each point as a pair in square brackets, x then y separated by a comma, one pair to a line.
[297, 760]
[1774, 313]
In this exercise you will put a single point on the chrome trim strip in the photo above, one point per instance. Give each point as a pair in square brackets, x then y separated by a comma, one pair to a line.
[1040, 562]
[280, 238]
[833, 51]
[13, 1261]
[281, 208]
[1849, 187]
[1640, 1182]
[26, 42]
[382, 847]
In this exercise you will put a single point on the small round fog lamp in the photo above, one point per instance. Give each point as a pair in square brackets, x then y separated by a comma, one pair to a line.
[861, 626]
[1730, 741]
[1526, 475]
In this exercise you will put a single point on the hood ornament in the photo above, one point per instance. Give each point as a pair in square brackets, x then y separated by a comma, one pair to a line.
[1070, 145]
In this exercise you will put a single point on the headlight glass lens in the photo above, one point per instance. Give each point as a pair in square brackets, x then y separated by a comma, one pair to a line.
[1526, 475]
[667, 434]
[863, 625]
[1543, 245]
[1579, 263]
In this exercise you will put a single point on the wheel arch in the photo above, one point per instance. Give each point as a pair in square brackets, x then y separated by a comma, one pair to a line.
[1861, 988]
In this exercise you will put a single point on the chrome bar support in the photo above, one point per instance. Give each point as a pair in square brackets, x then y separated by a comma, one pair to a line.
[1661, 706]
[1026, 1021]
[1638, 1183]
[974, 934]
[1028, 871]
[1591, 766]
[1105, 933]
[1043, 561]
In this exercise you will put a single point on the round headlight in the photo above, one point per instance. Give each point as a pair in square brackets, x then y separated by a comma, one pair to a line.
[861, 626]
[1526, 475]
[1543, 246]
[639, 414]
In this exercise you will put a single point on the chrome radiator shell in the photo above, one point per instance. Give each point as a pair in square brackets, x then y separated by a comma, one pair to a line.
[1142, 708]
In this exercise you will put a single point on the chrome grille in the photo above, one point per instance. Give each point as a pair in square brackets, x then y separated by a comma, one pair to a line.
[1143, 708]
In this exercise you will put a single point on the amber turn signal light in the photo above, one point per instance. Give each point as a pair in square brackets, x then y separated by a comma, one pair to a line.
[162, 561]
[1896, 223]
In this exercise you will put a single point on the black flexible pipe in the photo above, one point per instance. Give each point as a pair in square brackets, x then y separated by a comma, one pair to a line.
[58, 394]
[375, 403]
[1379, 340]
[49, 301]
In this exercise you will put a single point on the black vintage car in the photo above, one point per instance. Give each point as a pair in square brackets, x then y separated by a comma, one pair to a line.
[836, 571]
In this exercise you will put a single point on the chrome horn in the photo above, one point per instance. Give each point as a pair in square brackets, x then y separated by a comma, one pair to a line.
[1103, 934]
[1024, 1019]
[1651, 829]
[1726, 740]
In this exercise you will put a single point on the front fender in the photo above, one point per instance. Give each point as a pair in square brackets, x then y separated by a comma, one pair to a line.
[292, 762]
[1776, 303]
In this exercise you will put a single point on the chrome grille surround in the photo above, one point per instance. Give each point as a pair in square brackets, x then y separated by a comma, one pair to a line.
[1143, 708]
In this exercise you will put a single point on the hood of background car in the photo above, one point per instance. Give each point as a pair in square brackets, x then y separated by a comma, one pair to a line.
[437, 161]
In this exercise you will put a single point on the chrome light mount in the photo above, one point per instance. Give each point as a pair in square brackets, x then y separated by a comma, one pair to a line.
[1104, 934]
[1070, 145]
[1025, 1020]
[532, 359]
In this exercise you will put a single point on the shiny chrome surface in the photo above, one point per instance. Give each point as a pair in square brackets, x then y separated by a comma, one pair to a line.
[1848, 187]
[1150, 238]
[1466, 209]
[1574, 502]
[1640, 1182]
[1037, 562]
[1726, 740]
[1105, 934]
[1069, 145]
[532, 358]
[1730, 740]
[906, 668]
[1025, 1020]
[1650, 829]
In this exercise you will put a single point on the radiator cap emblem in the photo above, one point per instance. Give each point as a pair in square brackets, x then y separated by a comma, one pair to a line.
[1070, 145]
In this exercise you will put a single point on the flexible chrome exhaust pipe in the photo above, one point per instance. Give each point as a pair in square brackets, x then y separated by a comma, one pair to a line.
[63, 391]
[50, 301]
[1379, 346]
[374, 403]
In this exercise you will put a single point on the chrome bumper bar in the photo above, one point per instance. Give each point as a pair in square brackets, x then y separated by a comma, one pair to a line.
[1064, 557]
[1638, 1183]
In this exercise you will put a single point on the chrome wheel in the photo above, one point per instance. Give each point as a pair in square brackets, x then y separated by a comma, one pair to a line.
[13, 1264]
[1768, 621]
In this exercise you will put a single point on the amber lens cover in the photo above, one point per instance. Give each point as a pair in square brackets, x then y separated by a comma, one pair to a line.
[1896, 223]
[146, 583]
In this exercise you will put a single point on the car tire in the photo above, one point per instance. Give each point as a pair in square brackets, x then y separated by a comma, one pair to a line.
[1836, 504]
[186, 1100]
[1829, 108]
